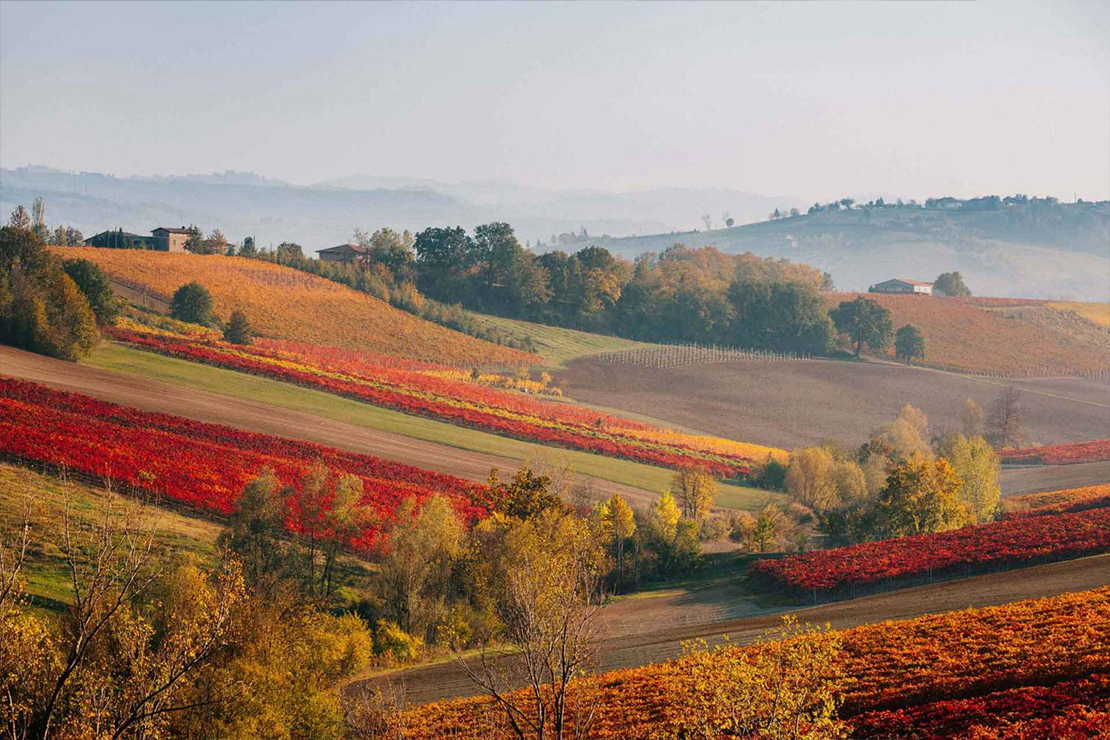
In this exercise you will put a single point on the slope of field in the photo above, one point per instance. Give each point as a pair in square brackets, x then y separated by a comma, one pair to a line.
[446, 394]
[787, 404]
[155, 383]
[1098, 313]
[437, 682]
[1019, 341]
[556, 344]
[289, 304]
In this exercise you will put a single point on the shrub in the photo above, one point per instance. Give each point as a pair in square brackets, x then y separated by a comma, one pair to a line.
[192, 303]
[393, 642]
[238, 329]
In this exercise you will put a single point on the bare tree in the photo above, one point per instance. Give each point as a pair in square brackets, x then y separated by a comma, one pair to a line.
[1006, 426]
[548, 598]
[707, 220]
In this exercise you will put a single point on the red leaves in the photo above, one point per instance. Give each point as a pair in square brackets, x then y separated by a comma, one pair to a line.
[1062, 454]
[198, 464]
[998, 543]
[413, 388]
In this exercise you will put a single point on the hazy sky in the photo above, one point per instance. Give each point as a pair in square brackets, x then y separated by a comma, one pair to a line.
[816, 100]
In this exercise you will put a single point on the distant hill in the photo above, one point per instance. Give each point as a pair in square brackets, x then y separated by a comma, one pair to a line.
[1033, 250]
[245, 204]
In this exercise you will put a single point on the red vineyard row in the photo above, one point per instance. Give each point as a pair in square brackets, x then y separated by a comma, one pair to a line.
[1096, 450]
[1005, 542]
[201, 465]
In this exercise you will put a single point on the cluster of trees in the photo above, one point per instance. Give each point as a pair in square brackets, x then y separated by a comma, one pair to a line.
[904, 481]
[192, 303]
[985, 203]
[36, 222]
[49, 305]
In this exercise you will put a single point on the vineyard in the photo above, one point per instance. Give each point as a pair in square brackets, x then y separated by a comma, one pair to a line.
[284, 303]
[1057, 502]
[1062, 454]
[202, 466]
[676, 355]
[1015, 541]
[1019, 339]
[445, 394]
[1040, 661]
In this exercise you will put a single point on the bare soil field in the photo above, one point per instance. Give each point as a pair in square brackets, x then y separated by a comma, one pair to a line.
[446, 680]
[787, 404]
[1019, 479]
[216, 408]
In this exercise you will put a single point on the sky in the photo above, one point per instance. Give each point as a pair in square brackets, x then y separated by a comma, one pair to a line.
[813, 100]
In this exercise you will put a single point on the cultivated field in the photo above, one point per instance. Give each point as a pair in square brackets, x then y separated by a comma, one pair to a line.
[787, 404]
[557, 345]
[998, 337]
[155, 383]
[1096, 312]
[288, 304]
[442, 681]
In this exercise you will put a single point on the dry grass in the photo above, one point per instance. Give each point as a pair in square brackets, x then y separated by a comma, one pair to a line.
[1019, 338]
[1098, 313]
[288, 304]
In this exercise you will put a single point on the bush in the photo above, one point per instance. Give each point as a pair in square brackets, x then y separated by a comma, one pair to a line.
[771, 475]
[238, 329]
[192, 303]
[393, 642]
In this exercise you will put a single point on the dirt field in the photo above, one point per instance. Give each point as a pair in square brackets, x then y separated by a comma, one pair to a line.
[216, 408]
[786, 404]
[445, 680]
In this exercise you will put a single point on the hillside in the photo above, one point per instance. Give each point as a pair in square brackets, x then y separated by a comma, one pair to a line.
[998, 337]
[288, 304]
[1033, 250]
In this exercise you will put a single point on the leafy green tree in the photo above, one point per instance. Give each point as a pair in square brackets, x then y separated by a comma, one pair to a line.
[95, 286]
[238, 329]
[256, 534]
[194, 242]
[248, 249]
[865, 322]
[780, 315]
[289, 253]
[921, 496]
[951, 284]
[909, 344]
[443, 257]
[192, 303]
[41, 308]
[524, 497]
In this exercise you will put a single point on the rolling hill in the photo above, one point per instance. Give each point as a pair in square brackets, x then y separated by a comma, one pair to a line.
[285, 303]
[1034, 250]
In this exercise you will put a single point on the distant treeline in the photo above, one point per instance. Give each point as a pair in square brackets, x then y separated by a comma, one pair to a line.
[681, 294]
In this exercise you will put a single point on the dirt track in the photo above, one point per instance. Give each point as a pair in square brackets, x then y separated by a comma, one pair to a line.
[151, 395]
[447, 680]
[787, 404]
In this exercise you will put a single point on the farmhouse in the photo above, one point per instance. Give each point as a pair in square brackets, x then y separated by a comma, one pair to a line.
[902, 285]
[162, 239]
[342, 253]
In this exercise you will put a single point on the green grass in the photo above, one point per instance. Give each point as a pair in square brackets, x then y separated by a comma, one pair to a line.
[117, 358]
[557, 345]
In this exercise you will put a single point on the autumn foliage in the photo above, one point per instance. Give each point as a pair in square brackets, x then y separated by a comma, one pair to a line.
[285, 303]
[205, 466]
[1057, 502]
[1038, 661]
[446, 394]
[1063, 454]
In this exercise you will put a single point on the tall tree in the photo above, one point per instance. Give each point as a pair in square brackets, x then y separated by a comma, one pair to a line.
[865, 322]
[951, 284]
[95, 286]
[1006, 424]
[921, 496]
[695, 490]
[909, 343]
[238, 329]
[978, 466]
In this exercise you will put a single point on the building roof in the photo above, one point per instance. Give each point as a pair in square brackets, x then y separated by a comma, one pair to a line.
[173, 229]
[341, 247]
[912, 282]
[118, 233]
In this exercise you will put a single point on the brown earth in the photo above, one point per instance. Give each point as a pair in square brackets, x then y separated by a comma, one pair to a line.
[447, 680]
[216, 408]
[787, 404]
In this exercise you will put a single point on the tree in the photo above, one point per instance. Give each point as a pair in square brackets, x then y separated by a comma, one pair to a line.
[289, 253]
[865, 322]
[19, 219]
[783, 315]
[238, 329]
[978, 466]
[95, 286]
[617, 524]
[695, 490]
[902, 439]
[525, 496]
[921, 496]
[421, 547]
[909, 344]
[194, 242]
[216, 243]
[256, 534]
[971, 419]
[41, 308]
[192, 303]
[38, 218]
[1006, 427]
[248, 249]
[816, 478]
[547, 595]
[765, 529]
[951, 284]
[786, 686]
[707, 220]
